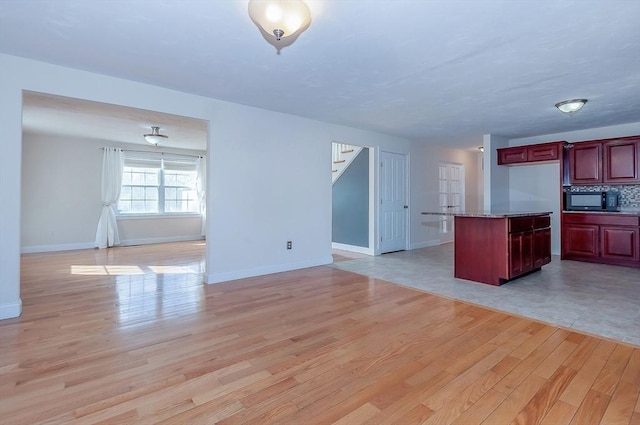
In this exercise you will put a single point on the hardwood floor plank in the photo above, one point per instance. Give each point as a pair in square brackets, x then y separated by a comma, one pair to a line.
[132, 335]
[560, 413]
[591, 409]
[509, 409]
[577, 390]
[620, 408]
[546, 397]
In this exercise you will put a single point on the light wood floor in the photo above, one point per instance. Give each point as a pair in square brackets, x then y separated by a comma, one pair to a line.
[130, 335]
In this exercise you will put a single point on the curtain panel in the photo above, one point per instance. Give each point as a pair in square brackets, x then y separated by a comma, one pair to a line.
[201, 187]
[112, 168]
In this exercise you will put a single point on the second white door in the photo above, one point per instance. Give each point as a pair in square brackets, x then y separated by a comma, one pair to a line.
[393, 202]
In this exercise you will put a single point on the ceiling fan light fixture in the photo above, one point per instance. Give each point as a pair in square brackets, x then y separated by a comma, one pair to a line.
[280, 18]
[571, 106]
[155, 137]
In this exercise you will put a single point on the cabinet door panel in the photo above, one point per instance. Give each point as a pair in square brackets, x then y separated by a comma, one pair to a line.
[580, 240]
[621, 161]
[514, 155]
[585, 163]
[619, 243]
[520, 253]
[542, 247]
[544, 152]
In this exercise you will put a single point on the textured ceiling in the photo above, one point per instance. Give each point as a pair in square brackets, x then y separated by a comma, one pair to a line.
[442, 72]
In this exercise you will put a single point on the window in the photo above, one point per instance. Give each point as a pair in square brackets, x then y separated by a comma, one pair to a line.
[152, 185]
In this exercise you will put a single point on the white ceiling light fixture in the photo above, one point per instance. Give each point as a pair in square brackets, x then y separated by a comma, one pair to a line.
[155, 137]
[281, 20]
[571, 106]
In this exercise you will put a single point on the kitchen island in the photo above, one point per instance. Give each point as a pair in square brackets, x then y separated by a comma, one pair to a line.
[494, 247]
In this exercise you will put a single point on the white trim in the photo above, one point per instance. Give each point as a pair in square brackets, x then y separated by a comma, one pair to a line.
[33, 249]
[120, 217]
[90, 245]
[352, 248]
[427, 244]
[148, 241]
[373, 200]
[260, 271]
[9, 311]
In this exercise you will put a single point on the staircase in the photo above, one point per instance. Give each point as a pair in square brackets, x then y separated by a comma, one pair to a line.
[342, 156]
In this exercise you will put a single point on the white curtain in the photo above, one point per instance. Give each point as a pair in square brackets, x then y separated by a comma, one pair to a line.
[201, 187]
[112, 167]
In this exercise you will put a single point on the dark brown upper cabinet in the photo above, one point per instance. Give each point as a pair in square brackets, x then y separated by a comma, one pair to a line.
[529, 153]
[608, 161]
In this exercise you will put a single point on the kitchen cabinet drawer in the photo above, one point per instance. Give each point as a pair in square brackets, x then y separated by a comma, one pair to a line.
[520, 224]
[612, 219]
[541, 222]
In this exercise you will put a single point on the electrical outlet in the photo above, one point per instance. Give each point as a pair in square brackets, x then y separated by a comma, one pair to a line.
[289, 245]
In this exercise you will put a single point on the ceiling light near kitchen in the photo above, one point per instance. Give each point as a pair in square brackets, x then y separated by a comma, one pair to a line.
[571, 106]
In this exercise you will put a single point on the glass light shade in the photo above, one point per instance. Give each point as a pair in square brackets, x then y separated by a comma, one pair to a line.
[282, 18]
[571, 106]
[155, 137]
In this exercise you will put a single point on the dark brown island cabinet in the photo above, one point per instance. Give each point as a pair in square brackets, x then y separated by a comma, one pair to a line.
[608, 238]
[494, 248]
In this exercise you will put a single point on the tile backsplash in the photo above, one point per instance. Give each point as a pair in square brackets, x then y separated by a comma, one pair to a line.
[629, 194]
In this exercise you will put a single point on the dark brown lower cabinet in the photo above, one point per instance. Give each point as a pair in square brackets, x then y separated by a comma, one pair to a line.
[609, 238]
[495, 250]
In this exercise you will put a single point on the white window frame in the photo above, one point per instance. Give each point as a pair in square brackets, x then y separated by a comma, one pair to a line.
[158, 162]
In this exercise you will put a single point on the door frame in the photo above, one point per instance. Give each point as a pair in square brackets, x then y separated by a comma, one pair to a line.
[371, 248]
[462, 197]
[378, 186]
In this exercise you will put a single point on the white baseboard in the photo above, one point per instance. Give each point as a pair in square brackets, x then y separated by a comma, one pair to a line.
[352, 248]
[89, 245]
[260, 271]
[58, 247]
[147, 241]
[434, 242]
[9, 311]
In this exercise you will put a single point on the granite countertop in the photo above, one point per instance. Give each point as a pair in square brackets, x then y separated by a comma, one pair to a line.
[633, 212]
[491, 213]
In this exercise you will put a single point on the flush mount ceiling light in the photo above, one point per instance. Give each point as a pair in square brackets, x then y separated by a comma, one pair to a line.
[571, 106]
[155, 137]
[280, 19]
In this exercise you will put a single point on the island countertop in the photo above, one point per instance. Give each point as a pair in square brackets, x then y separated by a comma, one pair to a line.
[490, 213]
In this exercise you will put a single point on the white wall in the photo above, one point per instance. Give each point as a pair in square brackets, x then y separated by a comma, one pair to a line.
[496, 179]
[254, 205]
[424, 188]
[61, 181]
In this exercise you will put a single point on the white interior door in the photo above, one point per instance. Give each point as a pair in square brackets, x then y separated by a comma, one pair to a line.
[393, 202]
[451, 196]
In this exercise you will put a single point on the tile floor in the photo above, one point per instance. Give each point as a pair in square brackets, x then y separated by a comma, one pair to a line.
[593, 298]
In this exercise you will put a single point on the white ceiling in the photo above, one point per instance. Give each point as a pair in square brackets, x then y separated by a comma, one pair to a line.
[434, 71]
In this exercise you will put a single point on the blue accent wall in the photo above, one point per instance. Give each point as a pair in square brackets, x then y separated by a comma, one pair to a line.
[351, 203]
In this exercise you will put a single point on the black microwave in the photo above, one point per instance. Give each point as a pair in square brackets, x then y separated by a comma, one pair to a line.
[604, 200]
